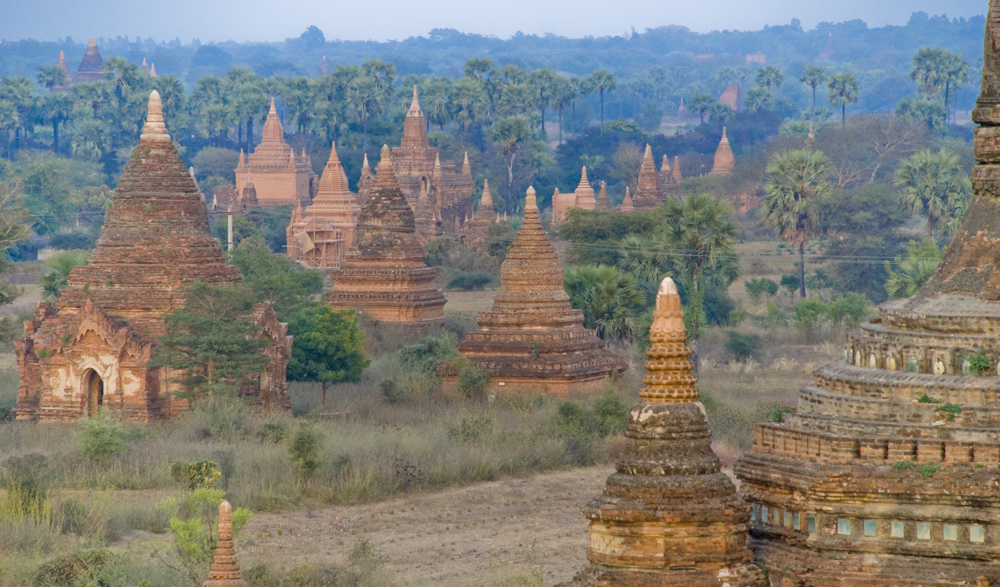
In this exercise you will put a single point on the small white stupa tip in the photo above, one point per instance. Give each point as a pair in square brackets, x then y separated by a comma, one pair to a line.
[667, 287]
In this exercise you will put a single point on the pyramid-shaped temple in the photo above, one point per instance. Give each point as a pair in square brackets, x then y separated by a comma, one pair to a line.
[320, 235]
[383, 273]
[280, 177]
[647, 193]
[669, 516]
[92, 66]
[533, 339]
[887, 472]
[89, 350]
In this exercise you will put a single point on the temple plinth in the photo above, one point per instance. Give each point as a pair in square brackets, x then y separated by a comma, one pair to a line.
[669, 517]
[647, 193]
[886, 472]
[383, 273]
[724, 159]
[225, 571]
[92, 66]
[533, 339]
[281, 177]
[319, 236]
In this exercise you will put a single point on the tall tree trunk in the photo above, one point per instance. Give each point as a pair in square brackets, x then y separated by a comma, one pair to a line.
[602, 112]
[843, 114]
[802, 270]
[560, 126]
[814, 100]
[543, 121]
[574, 113]
[55, 136]
[930, 226]
[250, 135]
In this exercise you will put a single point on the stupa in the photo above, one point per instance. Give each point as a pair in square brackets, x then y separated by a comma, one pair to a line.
[67, 76]
[583, 198]
[384, 274]
[626, 205]
[669, 516]
[225, 571]
[887, 472]
[92, 67]
[676, 170]
[724, 160]
[281, 177]
[319, 236]
[603, 204]
[533, 339]
[647, 193]
[248, 199]
[89, 350]
[418, 166]
[666, 177]
[476, 229]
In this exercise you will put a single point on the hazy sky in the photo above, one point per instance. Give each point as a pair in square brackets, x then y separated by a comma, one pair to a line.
[274, 20]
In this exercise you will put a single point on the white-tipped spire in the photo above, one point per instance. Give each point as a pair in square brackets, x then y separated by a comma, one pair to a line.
[530, 202]
[155, 129]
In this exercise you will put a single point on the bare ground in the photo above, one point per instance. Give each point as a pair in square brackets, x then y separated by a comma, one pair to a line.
[513, 531]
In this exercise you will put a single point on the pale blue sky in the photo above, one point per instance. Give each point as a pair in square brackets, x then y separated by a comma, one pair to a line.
[274, 20]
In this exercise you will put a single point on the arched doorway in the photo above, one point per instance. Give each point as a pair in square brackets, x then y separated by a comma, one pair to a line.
[93, 388]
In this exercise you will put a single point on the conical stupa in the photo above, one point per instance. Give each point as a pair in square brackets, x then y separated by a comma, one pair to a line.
[603, 203]
[533, 339]
[477, 228]
[886, 473]
[225, 571]
[627, 205]
[92, 66]
[647, 193]
[669, 516]
[724, 159]
[281, 178]
[383, 273]
[90, 350]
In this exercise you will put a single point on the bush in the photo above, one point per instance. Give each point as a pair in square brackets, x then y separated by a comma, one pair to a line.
[473, 382]
[221, 417]
[195, 475]
[426, 355]
[469, 281]
[743, 346]
[612, 412]
[472, 430]
[273, 432]
[757, 288]
[101, 439]
[71, 569]
[305, 449]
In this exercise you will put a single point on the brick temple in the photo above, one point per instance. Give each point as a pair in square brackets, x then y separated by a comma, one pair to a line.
[474, 231]
[724, 161]
[319, 236]
[533, 339]
[886, 474]
[583, 197]
[648, 193]
[88, 351]
[281, 177]
[669, 516]
[383, 273]
[92, 66]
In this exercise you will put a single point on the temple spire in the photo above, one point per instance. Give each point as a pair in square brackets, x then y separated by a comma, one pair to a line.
[225, 571]
[154, 129]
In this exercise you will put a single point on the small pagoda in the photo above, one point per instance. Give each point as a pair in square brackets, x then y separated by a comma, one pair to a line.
[475, 230]
[724, 159]
[647, 193]
[669, 516]
[534, 340]
[225, 570]
[89, 350]
[383, 273]
[92, 66]
[319, 236]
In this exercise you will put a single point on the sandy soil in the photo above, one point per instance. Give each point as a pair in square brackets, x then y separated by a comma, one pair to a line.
[487, 534]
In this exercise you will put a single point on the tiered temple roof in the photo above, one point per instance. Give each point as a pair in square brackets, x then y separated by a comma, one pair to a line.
[669, 516]
[583, 198]
[90, 348]
[533, 339]
[383, 273]
[724, 159]
[321, 234]
[648, 194]
[92, 67]
[281, 177]
[886, 473]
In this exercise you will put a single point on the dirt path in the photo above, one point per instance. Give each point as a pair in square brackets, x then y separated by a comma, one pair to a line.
[495, 533]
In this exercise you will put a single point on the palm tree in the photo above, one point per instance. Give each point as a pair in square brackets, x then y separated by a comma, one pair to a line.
[956, 72]
[646, 256]
[9, 119]
[768, 76]
[602, 81]
[813, 76]
[757, 98]
[929, 70]
[468, 102]
[57, 270]
[561, 90]
[51, 77]
[542, 83]
[609, 298]
[701, 103]
[795, 181]
[478, 68]
[123, 75]
[365, 100]
[932, 183]
[843, 91]
[93, 93]
[510, 133]
[434, 101]
[91, 140]
[55, 109]
[913, 271]
[699, 231]
[20, 91]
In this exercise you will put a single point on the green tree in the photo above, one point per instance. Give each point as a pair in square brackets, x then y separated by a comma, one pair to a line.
[911, 273]
[609, 298]
[510, 134]
[329, 347]
[543, 83]
[795, 181]
[929, 70]
[932, 183]
[57, 269]
[52, 77]
[702, 236]
[273, 278]
[956, 74]
[757, 99]
[211, 340]
[602, 81]
[701, 103]
[55, 109]
[930, 112]
[813, 76]
[768, 76]
[843, 91]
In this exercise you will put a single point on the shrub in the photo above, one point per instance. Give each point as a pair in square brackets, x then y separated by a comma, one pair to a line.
[195, 475]
[221, 417]
[757, 288]
[305, 449]
[71, 569]
[980, 364]
[472, 430]
[426, 355]
[612, 412]
[469, 280]
[101, 439]
[743, 346]
[473, 382]
[273, 432]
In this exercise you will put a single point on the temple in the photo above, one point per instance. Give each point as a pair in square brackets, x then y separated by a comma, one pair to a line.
[92, 67]
[225, 571]
[602, 203]
[319, 236]
[533, 340]
[724, 159]
[418, 166]
[583, 198]
[384, 274]
[89, 350]
[669, 516]
[886, 473]
[626, 205]
[281, 177]
[476, 229]
[648, 193]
